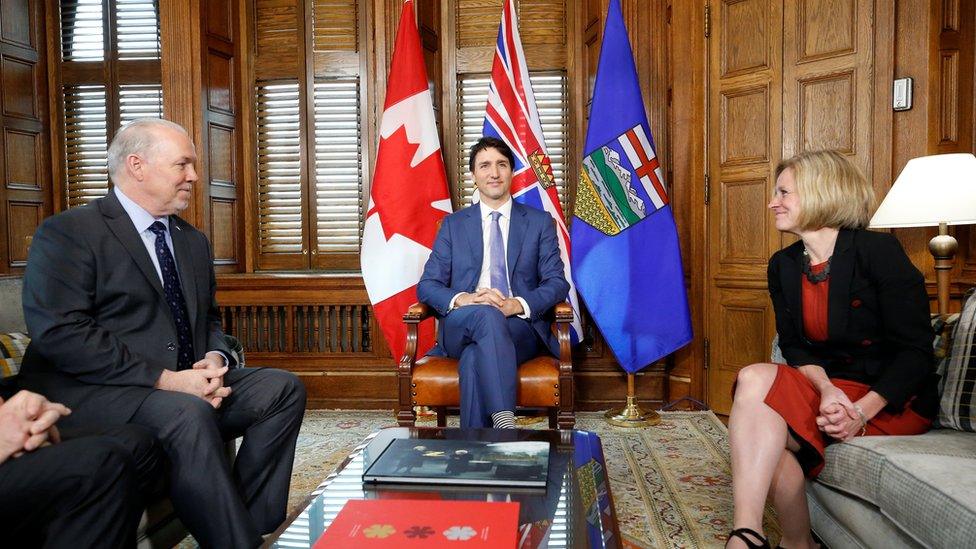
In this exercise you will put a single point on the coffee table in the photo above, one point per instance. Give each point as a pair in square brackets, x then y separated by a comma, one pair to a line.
[574, 510]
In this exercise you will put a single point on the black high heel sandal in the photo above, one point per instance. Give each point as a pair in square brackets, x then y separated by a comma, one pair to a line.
[742, 534]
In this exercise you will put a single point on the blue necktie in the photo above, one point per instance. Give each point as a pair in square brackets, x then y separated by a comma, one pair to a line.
[174, 297]
[496, 256]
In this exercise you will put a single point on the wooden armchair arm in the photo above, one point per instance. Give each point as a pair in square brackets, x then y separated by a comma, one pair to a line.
[564, 312]
[415, 313]
[564, 317]
[566, 406]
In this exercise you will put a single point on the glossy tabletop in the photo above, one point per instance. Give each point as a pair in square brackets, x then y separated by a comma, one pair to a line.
[575, 509]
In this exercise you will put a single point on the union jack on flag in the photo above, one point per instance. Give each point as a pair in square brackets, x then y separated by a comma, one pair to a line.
[511, 115]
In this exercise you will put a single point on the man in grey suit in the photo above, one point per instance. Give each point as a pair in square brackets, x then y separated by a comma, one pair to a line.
[119, 302]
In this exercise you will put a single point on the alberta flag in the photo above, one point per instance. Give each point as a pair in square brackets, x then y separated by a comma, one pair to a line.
[626, 258]
[511, 115]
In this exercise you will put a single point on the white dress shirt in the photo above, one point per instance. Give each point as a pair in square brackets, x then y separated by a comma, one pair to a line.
[484, 280]
[142, 220]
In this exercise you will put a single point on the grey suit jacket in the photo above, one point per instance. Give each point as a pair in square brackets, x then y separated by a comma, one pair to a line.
[101, 331]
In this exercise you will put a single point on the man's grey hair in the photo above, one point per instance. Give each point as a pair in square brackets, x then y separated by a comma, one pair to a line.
[136, 137]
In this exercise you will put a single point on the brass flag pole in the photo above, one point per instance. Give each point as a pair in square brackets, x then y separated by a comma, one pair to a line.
[631, 415]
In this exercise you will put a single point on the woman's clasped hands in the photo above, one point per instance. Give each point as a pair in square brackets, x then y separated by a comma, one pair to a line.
[839, 417]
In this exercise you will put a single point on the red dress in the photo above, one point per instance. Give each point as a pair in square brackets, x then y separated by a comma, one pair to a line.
[798, 402]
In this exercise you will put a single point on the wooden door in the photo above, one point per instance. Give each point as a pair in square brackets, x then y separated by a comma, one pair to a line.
[784, 77]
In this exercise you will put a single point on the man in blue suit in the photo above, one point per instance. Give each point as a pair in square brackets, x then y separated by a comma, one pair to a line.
[492, 277]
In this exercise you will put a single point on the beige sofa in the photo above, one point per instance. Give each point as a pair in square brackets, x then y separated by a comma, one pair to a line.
[915, 491]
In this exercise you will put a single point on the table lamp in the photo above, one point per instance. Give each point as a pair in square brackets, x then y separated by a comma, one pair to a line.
[933, 190]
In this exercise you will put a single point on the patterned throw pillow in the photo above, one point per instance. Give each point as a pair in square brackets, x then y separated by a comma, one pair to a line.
[12, 347]
[957, 408]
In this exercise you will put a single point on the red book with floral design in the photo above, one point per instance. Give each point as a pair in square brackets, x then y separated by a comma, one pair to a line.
[413, 523]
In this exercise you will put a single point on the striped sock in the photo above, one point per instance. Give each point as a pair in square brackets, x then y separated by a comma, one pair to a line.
[503, 420]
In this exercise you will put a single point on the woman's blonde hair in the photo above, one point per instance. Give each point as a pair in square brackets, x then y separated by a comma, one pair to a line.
[832, 191]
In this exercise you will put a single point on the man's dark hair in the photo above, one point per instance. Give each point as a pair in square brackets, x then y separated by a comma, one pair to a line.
[490, 143]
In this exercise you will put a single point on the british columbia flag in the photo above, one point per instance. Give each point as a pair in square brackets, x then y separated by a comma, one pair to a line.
[511, 115]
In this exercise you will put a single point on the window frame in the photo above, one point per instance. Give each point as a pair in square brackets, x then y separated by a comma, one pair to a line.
[111, 72]
[312, 68]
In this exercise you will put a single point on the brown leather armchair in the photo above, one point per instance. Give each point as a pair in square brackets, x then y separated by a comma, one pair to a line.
[544, 381]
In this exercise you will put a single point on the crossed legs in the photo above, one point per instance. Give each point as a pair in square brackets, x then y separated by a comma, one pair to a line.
[489, 347]
[763, 462]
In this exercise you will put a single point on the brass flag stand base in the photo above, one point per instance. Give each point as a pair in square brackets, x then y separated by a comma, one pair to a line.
[632, 415]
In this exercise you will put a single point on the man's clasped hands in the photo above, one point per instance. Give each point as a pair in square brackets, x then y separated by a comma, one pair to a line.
[509, 306]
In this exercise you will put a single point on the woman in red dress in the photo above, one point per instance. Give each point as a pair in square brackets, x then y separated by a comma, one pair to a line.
[853, 321]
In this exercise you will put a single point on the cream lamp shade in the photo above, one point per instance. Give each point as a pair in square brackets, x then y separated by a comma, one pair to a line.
[931, 190]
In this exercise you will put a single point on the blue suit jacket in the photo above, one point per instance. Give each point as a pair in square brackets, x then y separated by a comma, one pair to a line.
[535, 269]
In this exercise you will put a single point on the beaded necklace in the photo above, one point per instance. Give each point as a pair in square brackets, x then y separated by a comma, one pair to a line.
[813, 277]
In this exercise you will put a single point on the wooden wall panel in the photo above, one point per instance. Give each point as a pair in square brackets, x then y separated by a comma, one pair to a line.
[220, 82]
[22, 152]
[744, 234]
[222, 171]
[221, 154]
[687, 64]
[826, 28]
[16, 24]
[745, 320]
[946, 27]
[745, 83]
[220, 19]
[745, 125]
[828, 89]
[828, 106]
[744, 36]
[953, 82]
[25, 158]
[949, 98]
[223, 213]
[24, 217]
[19, 98]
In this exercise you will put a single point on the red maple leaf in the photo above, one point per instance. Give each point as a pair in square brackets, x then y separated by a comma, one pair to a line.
[403, 195]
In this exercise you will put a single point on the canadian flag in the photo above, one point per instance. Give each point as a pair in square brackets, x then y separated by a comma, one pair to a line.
[409, 193]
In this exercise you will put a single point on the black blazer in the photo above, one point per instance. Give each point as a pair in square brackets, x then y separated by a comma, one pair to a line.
[877, 317]
[101, 332]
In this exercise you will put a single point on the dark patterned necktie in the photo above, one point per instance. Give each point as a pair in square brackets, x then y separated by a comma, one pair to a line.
[174, 296]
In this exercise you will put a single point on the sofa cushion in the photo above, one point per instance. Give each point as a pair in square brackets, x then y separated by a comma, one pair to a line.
[12, 347]
[957, 407]
[923, 483]
[932, 497]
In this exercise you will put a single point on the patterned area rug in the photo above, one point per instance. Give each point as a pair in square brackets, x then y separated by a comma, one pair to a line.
[671, 483]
